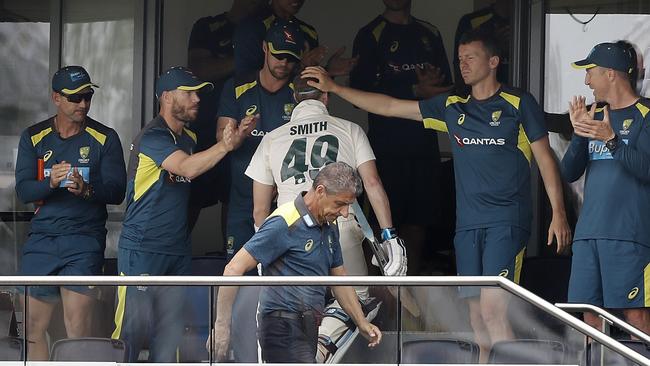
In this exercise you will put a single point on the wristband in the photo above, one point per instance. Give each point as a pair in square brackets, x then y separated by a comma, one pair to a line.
[388, 233]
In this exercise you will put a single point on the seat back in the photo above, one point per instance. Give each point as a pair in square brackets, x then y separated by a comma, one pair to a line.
[614, 359]
[527, 351]
[90, 350]
[440, 351]
[11, 349]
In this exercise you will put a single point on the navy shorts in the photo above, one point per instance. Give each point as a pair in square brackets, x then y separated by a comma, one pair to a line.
[610, 273]
[492, 251]
[62, 255]
[151, 315]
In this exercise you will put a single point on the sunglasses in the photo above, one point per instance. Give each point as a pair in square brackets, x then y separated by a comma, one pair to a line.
[284, 56]
[76, 98]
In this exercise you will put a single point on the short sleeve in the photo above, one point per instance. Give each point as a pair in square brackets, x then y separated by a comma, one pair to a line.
[532, 118]
[228, 103]
[433, 112]
[259, 169]
[362, 149]
[158, 144]
[267, 245]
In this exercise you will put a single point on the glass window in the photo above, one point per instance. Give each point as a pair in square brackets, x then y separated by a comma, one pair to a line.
[25, 90]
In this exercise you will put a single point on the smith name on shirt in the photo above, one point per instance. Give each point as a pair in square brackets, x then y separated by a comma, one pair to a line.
[308, 128]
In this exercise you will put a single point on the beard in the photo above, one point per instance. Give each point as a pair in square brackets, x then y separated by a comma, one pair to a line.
[183, 113]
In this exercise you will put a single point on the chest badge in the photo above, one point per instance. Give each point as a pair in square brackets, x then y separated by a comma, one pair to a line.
[461, 119]
[626, 127]
[47, 156]
[495, 118]
[251, 110]
[288, 108]
[84, 151]
[308, 245]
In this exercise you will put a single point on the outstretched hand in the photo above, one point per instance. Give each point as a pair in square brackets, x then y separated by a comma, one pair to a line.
[324, 81]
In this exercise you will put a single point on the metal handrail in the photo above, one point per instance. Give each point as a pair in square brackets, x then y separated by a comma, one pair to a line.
[613, 319]
[333, 281]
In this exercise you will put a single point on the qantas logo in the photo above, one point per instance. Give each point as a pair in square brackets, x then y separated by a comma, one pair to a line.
[462, 141]
[288, 37]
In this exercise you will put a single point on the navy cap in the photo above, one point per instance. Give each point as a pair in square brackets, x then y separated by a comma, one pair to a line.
[71, 79]
[285, 38]
[181, 78]
[609, 55]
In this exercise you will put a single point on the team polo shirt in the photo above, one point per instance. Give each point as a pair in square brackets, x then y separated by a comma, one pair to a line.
[96, 152]
[213, 33]
[241, 97]
[250, 34]
[291, 156]
[292, 243]
[388, 55]
[617, 191]
[156, 212]
[490, 142]
[489, 21]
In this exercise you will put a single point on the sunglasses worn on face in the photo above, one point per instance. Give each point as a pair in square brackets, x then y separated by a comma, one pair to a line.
[76, 98]
[284, 56]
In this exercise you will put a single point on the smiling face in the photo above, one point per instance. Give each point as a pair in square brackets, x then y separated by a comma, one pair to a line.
[476, 64]
[597, 80]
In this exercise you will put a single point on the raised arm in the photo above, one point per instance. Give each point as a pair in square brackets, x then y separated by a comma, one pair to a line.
[372, 102]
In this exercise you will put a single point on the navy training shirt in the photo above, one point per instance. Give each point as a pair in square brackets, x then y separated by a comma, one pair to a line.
[490, 142]
[96, 148]
[388, 55]
[250, 34]
[215, 34]
[617, 185]
[243, 96]
[157, 200]
[291, 243]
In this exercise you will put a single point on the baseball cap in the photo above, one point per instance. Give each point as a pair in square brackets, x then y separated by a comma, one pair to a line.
[609, 55]
[71, 79]
[285, 38]
[179, 77]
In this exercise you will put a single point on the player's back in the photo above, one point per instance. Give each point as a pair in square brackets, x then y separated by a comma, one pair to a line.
[296, 151]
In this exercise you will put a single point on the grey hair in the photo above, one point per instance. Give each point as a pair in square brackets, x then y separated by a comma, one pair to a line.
[338, 178]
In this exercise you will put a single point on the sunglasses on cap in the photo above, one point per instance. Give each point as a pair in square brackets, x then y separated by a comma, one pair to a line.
[76, 98]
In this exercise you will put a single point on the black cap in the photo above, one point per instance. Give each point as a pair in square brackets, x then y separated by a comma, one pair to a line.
[179, 77]
[71, 79]
[609, 55]
[285, 38]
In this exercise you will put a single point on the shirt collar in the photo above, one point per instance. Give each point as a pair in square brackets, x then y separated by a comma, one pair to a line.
[305, 214]
[309, 107]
